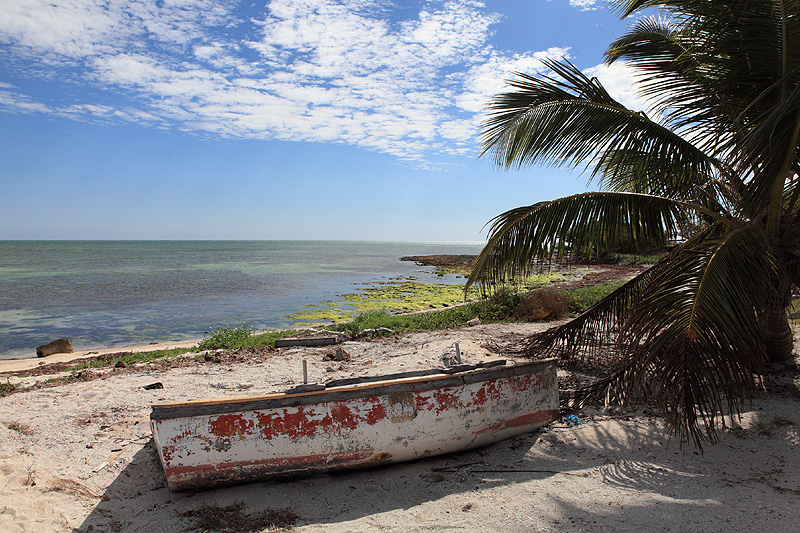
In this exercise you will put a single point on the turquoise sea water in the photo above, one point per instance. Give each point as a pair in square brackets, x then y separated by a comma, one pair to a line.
[123, 293]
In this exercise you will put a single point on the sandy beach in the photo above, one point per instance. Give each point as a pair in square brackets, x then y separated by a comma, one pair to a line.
[80, 457]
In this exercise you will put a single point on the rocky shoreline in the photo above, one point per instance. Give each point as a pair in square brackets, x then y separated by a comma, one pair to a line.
[442, 261]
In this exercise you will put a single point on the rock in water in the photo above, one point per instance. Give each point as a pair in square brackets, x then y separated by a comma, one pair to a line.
[57, 346]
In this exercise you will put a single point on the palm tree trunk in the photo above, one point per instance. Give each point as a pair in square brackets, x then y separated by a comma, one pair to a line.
[776, 333]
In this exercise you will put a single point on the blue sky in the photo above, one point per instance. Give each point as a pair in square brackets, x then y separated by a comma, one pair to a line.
[280, 119]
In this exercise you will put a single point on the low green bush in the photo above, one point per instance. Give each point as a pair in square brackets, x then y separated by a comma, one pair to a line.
[497, 308]
[632, 259]
[132, 358]
[234, 336]
[227, 337]
[267, 339]
[411, 322]
[585, 297]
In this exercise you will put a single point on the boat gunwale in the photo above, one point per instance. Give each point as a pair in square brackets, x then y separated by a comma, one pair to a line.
[185, 409]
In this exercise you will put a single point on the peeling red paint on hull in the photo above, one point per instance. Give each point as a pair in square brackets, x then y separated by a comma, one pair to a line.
[214, 443]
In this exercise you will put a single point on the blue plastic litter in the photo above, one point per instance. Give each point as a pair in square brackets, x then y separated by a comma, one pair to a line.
[573, 420]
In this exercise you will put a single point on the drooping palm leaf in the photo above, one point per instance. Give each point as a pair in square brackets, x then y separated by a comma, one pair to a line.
[772, 148]
[692, 344]
[522, 237]
[573, 120]
[584, 337]
[726, 71]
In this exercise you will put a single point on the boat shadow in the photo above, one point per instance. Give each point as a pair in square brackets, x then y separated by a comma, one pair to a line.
[624, 457]
[138, 498]
[632, 456]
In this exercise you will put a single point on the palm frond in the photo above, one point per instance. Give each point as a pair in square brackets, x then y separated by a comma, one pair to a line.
[716, 67]
[692, 343]
[522, 237]
[772, 150]
[573, 120]
[587, 335]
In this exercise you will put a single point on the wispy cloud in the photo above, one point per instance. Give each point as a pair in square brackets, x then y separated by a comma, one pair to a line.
[361, 72]
[13, 100]
[585, 5]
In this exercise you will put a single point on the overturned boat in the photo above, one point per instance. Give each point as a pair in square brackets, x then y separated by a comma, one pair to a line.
[351, 423]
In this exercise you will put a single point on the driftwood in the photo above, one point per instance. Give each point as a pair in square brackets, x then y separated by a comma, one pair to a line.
[305, 341]
[340, 334]
[312, 337]
[374, 331]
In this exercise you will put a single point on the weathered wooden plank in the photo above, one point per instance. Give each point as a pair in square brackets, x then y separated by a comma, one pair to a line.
[304, 341]
[375, 386]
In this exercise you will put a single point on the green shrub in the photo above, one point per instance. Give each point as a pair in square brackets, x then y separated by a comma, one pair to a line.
[144, 357]
[498, 307]
[585, 297]
[266, 339]
[632, 259]
[231, 337]
[226, 337]
[451, 317]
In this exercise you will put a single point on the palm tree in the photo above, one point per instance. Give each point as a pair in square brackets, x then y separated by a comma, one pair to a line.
[717, 154]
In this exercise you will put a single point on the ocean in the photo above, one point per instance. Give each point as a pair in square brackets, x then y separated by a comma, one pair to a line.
[123, 293]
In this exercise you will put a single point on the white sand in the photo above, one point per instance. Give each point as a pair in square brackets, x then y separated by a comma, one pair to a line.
[15, 365]
[80, 457]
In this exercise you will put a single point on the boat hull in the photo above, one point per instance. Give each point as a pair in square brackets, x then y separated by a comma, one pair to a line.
[214, 443]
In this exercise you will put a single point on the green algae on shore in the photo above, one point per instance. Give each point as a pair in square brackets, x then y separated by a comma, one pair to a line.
[403, 295]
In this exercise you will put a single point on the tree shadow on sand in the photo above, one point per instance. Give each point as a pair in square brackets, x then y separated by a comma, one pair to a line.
[596, 475]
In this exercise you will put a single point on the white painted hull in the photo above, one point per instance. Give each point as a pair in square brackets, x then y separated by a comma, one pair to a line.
[211, 443]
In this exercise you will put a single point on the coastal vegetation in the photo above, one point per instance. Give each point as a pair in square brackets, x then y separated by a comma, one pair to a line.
[230, 336]
[713, 166]
[132, 358]
[7, 388]
[503, 306]
[407, 295]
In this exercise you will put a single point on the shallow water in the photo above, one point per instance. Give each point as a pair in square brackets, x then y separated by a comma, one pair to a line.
[115, 293]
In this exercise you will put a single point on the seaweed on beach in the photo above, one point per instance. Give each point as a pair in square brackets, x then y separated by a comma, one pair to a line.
[7, 388]
[19, 427]
[233, 518]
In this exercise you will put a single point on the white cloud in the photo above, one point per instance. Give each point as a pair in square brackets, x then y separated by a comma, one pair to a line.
[13, 101]
[77, 29]
[584, 5]
[302, 70]
[620, 82]
[490, 77]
